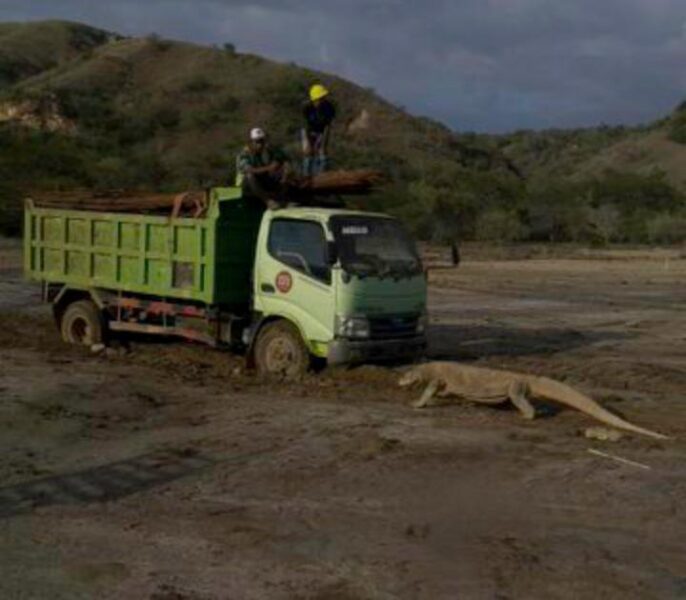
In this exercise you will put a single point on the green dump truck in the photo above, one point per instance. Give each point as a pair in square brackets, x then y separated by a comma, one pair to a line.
[284, 285]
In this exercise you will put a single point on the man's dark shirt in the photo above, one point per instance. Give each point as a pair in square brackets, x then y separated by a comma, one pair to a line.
[318, 118]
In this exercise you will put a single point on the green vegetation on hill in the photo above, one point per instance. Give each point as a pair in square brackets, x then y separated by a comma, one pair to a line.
[92, 109]
[27, 49]
[677, 125]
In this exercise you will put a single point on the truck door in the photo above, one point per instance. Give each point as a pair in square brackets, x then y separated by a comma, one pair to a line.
[294, 277]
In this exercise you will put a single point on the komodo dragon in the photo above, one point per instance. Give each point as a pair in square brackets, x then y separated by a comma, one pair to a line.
[489, 386]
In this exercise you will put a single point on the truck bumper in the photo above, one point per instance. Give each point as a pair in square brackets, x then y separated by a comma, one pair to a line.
[342, 351]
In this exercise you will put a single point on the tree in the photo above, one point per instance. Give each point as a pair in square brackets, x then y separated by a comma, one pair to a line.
[677, 126]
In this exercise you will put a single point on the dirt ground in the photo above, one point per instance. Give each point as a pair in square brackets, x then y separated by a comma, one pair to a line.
[163, 471]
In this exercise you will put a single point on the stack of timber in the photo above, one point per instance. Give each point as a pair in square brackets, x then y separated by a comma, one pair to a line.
[186, 204]
[304, 190]
[332, 183]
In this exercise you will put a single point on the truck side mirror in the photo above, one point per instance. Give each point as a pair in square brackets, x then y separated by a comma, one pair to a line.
[332, 253]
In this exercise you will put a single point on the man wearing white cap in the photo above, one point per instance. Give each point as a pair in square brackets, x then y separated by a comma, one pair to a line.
[261, 168]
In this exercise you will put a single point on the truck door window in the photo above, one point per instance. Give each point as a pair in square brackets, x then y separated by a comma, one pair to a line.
[302, 246]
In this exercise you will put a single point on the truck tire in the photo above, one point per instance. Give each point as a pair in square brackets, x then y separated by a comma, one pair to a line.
[281, 352]
[82, 324]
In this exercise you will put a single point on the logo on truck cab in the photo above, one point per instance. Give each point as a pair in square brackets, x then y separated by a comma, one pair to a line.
[284, 282]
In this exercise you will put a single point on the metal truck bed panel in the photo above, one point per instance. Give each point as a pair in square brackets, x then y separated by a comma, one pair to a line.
[206, 259]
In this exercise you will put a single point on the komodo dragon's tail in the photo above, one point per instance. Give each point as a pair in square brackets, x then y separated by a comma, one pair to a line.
[555, 391]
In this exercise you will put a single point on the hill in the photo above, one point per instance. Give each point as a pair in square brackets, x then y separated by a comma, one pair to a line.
[153, 113]
[643, 153]
[30, 48]
[582, 153]
[618, 183]
[82, 107]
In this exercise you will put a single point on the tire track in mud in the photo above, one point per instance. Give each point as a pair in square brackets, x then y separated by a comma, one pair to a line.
[111, 481]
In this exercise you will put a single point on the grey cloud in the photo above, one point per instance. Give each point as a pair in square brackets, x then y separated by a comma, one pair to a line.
[475, 64]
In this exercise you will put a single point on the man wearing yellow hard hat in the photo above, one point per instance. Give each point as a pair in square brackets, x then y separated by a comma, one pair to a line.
[319, 113]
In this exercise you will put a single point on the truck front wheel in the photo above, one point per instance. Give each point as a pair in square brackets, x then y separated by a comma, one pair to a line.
[280, 351]
[82, 324]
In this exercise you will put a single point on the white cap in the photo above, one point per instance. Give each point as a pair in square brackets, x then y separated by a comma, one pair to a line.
[257, 134]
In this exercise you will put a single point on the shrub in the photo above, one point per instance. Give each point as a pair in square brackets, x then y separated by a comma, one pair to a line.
[287, 91]
[135, 129]
[198, 84]
[85, 38]
[500, 225]
[147, 170]
[204, 119]
[637, 198]
[9, 73]
[157, 42]
[111, 172]
[228, 104]
[10, 210]
[667, 229]
[166, 117]
[91, 108]
[605, 223]
[556, 211]
[677, 127]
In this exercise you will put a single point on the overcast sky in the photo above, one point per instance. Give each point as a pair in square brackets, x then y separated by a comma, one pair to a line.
[484, 65]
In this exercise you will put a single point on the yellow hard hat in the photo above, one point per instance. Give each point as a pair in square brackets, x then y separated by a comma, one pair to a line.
[317, 92]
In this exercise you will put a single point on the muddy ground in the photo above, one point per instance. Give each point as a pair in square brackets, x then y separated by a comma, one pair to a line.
[163, 471]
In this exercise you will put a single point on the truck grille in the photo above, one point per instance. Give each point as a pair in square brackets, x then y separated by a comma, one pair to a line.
[395, 326]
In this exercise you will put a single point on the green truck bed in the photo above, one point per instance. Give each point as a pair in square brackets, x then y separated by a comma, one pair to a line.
[207, 259]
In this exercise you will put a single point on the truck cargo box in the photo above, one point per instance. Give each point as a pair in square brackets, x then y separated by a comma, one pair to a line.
[207, 259]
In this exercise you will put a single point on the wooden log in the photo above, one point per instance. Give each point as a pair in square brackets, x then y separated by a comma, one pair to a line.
[181, 205]
[361, 181]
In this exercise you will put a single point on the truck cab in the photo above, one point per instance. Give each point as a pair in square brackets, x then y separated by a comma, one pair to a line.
[349, 284]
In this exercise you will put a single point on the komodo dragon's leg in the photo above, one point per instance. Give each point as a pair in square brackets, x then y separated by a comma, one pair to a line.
[517, 394]
[429, 392]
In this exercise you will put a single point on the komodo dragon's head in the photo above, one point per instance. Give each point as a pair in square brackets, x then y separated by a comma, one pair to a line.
[412, 376]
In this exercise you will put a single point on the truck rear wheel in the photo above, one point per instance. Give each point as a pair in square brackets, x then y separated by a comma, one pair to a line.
[281, 352]
[82, 324]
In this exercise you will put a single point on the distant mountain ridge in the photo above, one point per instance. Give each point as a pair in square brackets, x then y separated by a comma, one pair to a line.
[590, 152]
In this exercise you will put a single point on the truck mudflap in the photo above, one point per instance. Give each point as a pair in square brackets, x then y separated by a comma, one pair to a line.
[342, 351]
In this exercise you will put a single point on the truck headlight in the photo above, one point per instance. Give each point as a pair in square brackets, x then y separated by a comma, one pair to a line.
[422, 323]
[352, 327]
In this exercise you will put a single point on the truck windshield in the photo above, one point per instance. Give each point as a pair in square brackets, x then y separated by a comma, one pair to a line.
[375, 246]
